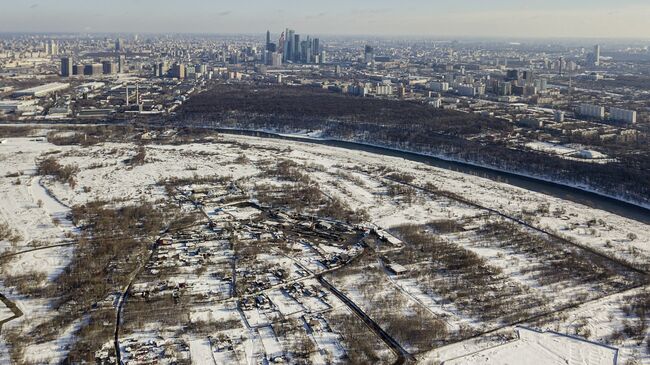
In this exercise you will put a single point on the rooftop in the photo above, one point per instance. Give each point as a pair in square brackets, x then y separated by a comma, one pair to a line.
[547, 348]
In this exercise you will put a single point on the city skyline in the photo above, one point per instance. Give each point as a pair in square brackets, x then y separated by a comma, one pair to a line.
[467, 18]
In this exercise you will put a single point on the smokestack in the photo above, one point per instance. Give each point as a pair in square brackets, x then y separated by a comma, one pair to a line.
[127, 95]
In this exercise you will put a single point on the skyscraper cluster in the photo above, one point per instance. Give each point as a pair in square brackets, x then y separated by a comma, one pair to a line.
[106, 67]
[292, 49]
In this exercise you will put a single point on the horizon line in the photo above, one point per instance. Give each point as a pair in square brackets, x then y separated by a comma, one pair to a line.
[351, 35]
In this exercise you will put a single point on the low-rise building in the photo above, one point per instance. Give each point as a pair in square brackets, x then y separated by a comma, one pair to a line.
[12, 106]
[43, 90]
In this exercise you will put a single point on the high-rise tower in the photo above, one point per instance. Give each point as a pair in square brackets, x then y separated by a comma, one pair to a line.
[369, 54]
[121, 64]
[296, 48]
[290, 45]
[316, 46]
[66, 66]
[54, 47]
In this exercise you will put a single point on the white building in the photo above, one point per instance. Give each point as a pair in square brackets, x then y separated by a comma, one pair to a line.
[466, 90]
[8, 106]
[90, 86]
[416, 80]
[382, 89]
[43, 90]
[622, 115]
[439, 86]
[538, 347]
[436, 103]
[592, 111]
[358, 90]
[541, 84]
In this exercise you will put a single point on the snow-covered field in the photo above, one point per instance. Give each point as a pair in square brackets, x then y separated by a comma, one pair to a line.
[592, 227]
[609, 232]
[201, 352]
[37, 218]
[36, 208]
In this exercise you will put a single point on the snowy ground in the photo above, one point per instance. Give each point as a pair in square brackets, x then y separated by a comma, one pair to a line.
[201, 352]
[27, 207]
[39, 220]
[53, 352]
[598, 229]
[357, 178]
[595, 228]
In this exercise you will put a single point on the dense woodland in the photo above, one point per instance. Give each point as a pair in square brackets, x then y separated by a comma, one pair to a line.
[304, 106]
[411, 126]
[640, 83]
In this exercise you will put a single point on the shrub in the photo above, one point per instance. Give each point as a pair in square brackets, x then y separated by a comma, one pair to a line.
[11, 131]
[65, 174]
[139, 158]
[402, 177]
[6, 233]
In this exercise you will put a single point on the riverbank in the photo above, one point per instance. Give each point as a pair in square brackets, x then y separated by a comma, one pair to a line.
[575, 193]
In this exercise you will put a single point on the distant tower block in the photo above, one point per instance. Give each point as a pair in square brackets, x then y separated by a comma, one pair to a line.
[66, 66]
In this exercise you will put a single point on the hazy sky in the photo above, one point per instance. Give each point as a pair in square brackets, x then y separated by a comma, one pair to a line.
[511, 18]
